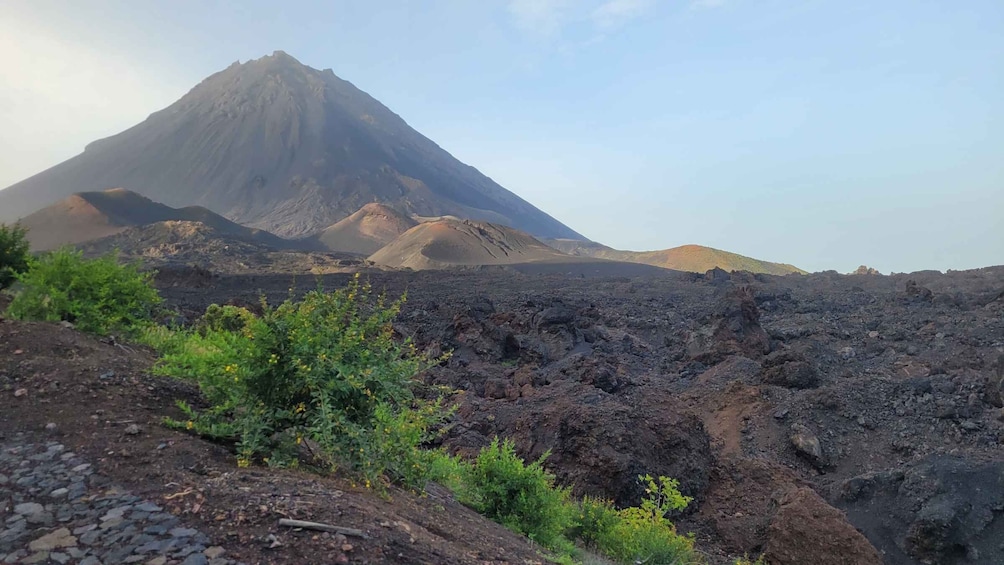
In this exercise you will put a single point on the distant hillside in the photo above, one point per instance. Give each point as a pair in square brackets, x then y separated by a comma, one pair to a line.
[173, 239]
[277, 145]
[366, 231]
[693, 258]
[450, 243]
[196, 243]
[88, 216]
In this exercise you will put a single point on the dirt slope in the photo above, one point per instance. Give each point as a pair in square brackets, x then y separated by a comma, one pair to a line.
[105, 407]
[88, 216]
[277, 145]
[692, 258]
[366, 231]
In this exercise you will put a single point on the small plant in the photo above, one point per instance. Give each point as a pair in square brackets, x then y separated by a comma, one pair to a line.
[98, 296]
[747, 561]
[597, 519]
[448, 470]
[223, 319]
[521, 497]
[320, 381]
[643, 533]
[14, 253]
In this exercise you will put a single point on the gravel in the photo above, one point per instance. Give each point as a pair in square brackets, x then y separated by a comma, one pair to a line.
[54, 508]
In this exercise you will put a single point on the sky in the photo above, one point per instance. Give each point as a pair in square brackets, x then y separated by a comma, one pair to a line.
[826, 134]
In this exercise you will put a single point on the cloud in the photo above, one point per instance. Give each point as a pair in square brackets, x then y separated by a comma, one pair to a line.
[56, 95]
[706, 4]
[545, 17]
[615, 13]
[551, 17]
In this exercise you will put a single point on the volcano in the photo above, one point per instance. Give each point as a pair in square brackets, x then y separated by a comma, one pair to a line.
[276, 145]
[449, 242]
[366, 231]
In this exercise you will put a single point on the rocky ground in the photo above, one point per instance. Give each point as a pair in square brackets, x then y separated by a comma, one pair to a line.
[88, 474]
[819, 419]
[52, 489]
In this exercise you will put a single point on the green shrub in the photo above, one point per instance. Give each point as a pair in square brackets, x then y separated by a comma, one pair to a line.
[223, 319]
[524, 498]
[160, 338]
[643, 533]
[521, 497]
[319, 381]
[98, 296]
[597, 519]
[448, 470]
[14, 253]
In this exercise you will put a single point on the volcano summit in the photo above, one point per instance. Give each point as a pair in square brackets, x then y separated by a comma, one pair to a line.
[276, 145]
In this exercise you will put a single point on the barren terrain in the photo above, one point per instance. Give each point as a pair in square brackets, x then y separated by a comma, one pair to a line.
[877, 392]
[823, 418]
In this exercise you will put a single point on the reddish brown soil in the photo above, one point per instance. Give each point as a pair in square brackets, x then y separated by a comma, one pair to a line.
[801, 515]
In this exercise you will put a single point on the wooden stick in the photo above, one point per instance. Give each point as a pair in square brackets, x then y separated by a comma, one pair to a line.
[185, 492]
[322, 528]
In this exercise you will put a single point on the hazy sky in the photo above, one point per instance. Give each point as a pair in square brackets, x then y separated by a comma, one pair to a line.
[821, 133]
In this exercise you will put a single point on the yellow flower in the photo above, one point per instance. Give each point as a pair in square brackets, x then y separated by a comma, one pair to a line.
[189, 425]
[299, 440]
[243, 462]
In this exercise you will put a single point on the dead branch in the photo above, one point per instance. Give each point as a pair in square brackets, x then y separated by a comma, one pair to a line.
[323, 528]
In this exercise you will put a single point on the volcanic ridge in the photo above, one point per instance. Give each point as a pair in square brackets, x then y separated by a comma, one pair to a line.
[692, 258]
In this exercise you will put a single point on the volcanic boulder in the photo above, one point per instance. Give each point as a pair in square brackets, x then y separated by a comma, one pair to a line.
[943, 509]
[995, 384]
[734, 330]
[808, 530]
[788, 369]
[807, 445]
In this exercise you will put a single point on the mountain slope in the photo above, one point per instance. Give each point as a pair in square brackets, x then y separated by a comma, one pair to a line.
[88, 216]
[280, 146]
[693, 258]
[366, 231]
